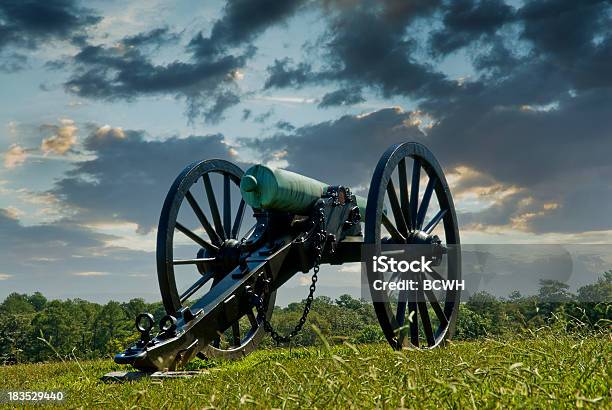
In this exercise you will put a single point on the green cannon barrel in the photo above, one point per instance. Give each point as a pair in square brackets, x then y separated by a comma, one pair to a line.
[281, 190]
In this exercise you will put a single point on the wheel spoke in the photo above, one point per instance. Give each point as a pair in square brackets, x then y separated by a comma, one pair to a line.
[236, 333]
[437, 308]
[427, 329]
[227, 206]
[431, 184]
[414, 190]
[401, 318]
[238, 220]
[391, 229]
[214, 237]
[250, 231]
[403, 186]
[195, 287]
[401, 308]
[252, 319]
[396, 209]
[434, 221]
[212, 202]
[196, 238]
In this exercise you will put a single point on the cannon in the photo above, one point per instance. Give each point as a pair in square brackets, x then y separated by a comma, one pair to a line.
[223, 305]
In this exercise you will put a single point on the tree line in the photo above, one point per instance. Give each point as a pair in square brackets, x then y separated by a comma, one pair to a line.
[35, 329]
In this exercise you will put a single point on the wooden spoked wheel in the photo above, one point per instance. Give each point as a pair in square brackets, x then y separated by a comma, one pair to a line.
[197, 245]
[400, 211]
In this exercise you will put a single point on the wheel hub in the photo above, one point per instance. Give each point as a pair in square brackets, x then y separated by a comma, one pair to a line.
[229, 255]
[226, 259]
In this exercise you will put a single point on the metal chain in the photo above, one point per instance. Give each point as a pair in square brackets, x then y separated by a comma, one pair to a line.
[259, 305]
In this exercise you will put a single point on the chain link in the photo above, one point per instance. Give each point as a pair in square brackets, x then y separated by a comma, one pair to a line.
[259, 303]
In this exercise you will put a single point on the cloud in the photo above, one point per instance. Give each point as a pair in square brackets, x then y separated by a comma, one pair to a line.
[264, 116]
[120, 73]
[284, 126]
[344, 96]
[28, 25]
[224, 101]
[13, 62]
[530, 121]
[59, 256]
[108, 132]
[242, 20]
[47, 240]
[518, 169]
[63, 139]
[129, 176]
[466, 21]
[156, 38]
[366, 45]
[207, 81]
[282, 74]
[91, 273]
[15, 156]
[574, 36]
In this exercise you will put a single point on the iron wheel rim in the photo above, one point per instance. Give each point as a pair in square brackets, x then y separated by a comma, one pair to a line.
[394, 331]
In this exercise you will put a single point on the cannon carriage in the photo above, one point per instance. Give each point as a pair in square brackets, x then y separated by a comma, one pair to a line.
[240, 248]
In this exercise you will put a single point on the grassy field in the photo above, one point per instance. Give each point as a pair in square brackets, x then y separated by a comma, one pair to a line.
[545, 370]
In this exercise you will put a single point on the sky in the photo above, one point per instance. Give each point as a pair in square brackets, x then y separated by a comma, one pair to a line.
[102, 103]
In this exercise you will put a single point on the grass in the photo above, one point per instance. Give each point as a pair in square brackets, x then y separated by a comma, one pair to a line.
[543, 370]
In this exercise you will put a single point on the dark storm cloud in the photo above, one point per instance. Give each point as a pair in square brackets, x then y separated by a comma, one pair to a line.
[534, 117]
[282, 74]
[366, 45]
[498, 60]
[31, 23]
[557, 160]
[284, 126]
[344, 96]
[525, 145]
[206, 81]
[574, 36]
[242, 21]
[125, 73]
[564, 28]
[129, 178]
[466, 21]
[156, 37]
[374, 45]
[223, 101]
